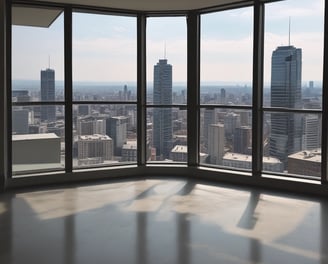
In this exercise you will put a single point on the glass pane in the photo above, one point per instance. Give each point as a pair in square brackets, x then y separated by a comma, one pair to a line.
[37, 54]
[167, 134]
[104, 135]
[227, 57]
[226, 138]
[104, 57]
[32, 138]
[293, 58]
[294, 140]
[166, 60]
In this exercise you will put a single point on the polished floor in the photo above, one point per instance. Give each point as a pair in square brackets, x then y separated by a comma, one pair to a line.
[161, 221]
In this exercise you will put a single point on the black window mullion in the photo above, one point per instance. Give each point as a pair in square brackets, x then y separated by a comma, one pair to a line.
[257, 114]
[324, 143]
[141, 90]
[8, 103]
[193, 79]
[5, 81]
[68, 90]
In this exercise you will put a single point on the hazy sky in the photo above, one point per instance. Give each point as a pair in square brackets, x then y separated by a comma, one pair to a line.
[104, 47]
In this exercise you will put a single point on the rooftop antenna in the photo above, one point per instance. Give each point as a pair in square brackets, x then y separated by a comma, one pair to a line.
[48, 61]
[289, 33]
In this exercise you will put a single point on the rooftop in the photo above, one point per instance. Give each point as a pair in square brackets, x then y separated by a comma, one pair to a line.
[95, 137]
[34, 136]
[244, 157]
[308, 155]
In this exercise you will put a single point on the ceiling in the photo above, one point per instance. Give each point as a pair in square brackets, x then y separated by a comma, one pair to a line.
[30, 16]
[149, 5]
[43, 17]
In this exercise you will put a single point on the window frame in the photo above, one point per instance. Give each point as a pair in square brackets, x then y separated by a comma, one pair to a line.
[193, 98]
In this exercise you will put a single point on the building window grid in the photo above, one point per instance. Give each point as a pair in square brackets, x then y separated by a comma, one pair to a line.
[256, 107]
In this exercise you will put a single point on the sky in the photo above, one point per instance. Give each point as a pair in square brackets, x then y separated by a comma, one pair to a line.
[105, 46]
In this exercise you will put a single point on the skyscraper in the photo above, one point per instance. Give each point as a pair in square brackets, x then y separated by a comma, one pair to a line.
[89, 125]
[48, 112]
[162, 117]
[216, 143]
[116, 128]
[242, 140]
[286, 92]
[209, 118]
[20, 121]
[311, 138]
[95, 146]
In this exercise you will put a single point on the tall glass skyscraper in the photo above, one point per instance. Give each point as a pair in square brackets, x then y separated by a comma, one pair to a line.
[286, 92]
[48, 112]
[162, 117]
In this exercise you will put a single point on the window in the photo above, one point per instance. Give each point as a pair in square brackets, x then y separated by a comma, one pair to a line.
[104, 90]
[226, 89]
[95, 121]
[38, 119]
[166, 89]
[293, 86]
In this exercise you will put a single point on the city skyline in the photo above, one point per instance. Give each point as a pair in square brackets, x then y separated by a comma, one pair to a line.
[226, 135]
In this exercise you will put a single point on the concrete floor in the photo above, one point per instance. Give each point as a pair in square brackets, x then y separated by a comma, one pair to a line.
[161, 221]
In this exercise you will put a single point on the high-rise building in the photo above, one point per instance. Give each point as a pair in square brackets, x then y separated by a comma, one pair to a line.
[162, 117]
[83, 110]
[311, 138]
[209, 118]
[48, 112]
[20, 96]
[89, 125]
[286, 92]
[223, 96]
[95, 146]
[130, 151]
[216, 143]
[242, 140]
[117, 130]
[231, 122]
[20, 121]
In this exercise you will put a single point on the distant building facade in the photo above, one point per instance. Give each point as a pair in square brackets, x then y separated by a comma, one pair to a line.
[116, 128]
[286, 92]
[20, 121]
[129, 151]
[216, 143]
[311, 138]
[34, 149]
[179, 153]
[89, 125]
[95, 146]
[243, 161]
[48, 112]
[305, 163]
[162, 117]
[242, 140]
